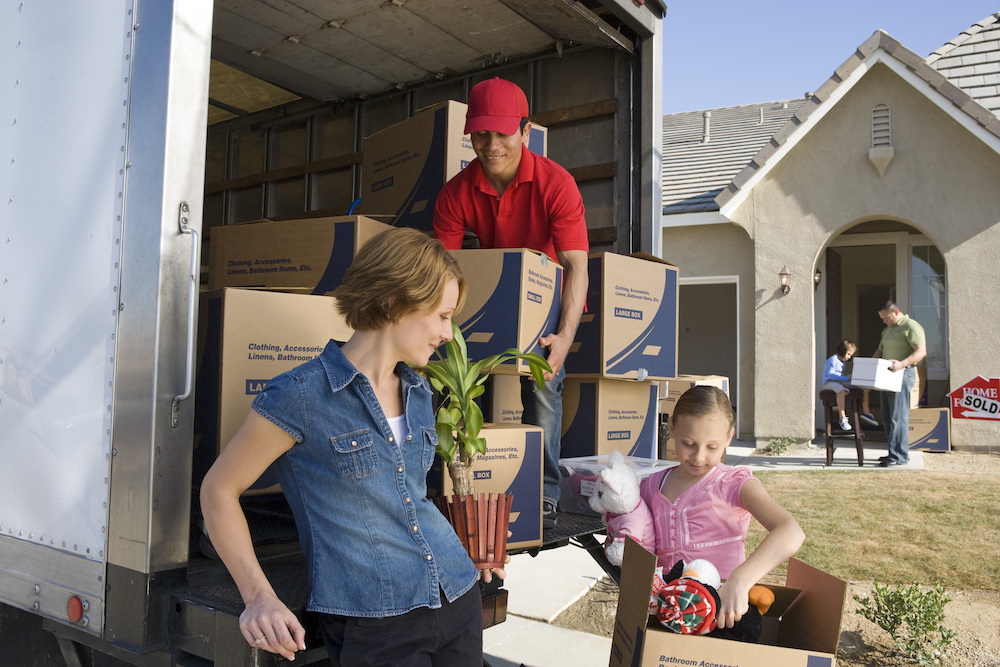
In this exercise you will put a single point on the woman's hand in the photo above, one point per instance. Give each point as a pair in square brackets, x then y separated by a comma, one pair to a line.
[268, 624]
[487, 575]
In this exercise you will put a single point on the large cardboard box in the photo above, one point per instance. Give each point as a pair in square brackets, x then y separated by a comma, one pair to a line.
[802, 628]
[670, 390]
[512, 300]
[247, 338]
[875, 374]
[630, 327]
[309, 253]
[512, 464]
[576, 484]
[930, 429]
[405, 165]
[601, 415]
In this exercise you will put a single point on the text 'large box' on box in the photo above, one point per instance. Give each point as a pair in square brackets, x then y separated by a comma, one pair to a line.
[630, 327]
[512, 464]
[405, 165]
[875, 374]
[247, 338]
[930, 429]
[602, 415]
[578, 475]
[801, 629]
[512, 299]
[671, 389]
[309, 253]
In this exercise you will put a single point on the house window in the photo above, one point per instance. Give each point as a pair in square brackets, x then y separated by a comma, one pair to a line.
[929, 303]
[881, 135]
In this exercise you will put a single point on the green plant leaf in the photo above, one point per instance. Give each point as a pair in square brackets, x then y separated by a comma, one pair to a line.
[446, 441]
[473, 420]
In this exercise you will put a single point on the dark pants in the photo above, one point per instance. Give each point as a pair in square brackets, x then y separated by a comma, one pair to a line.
[451, 636]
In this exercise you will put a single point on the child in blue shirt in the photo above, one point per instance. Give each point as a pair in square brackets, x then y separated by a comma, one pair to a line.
[835, 380]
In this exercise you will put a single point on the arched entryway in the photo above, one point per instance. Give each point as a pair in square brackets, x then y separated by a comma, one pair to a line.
[860, 269]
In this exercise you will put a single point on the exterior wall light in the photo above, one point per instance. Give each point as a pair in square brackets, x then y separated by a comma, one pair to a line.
[785, 276]
[817, 277]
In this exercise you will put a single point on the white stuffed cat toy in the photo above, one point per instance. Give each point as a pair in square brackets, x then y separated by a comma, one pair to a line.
[616, 497]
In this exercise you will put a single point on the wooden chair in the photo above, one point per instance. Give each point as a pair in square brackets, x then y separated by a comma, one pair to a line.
[852, 405]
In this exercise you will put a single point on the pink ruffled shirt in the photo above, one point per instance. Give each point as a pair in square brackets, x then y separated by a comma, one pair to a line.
[706, 521]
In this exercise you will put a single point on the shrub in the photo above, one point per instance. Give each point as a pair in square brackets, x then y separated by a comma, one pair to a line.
[779, 445]
[912, 617]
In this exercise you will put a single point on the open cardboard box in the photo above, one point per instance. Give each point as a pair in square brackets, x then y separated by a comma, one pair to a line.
[802, 628]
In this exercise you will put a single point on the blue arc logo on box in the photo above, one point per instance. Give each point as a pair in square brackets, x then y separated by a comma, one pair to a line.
[254, 387]
[619, 435]
[628, 313]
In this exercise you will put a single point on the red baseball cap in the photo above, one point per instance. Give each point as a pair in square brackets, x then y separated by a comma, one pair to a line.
[496, 105]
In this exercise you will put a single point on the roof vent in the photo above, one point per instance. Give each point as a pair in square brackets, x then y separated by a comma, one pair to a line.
[760, 121]
[706, 133]
[881, 152]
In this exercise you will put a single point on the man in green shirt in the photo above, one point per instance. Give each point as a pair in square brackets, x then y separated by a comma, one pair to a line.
[904, 344]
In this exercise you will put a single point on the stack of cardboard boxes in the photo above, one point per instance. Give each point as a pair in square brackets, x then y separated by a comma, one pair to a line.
[266, 311]
[626, 341]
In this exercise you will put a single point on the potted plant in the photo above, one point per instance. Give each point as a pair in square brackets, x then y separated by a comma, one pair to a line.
[459, 426]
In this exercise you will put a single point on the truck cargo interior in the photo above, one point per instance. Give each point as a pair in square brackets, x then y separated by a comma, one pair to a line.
[198, 116]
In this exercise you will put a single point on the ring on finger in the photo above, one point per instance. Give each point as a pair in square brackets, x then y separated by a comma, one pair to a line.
[259, 640]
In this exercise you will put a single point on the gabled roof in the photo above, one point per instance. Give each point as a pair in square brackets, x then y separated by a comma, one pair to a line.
[879, 48]
[971, 61]
[695, 170]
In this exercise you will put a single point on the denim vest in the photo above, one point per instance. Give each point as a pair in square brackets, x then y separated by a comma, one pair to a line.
[375, 545]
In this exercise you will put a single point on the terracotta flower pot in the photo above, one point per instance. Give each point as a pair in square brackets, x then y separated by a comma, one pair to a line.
[481, 524]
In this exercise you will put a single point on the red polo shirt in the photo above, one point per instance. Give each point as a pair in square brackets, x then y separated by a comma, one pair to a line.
[541, 209]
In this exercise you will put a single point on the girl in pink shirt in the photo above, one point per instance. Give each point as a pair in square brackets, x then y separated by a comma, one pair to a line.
[701, 508]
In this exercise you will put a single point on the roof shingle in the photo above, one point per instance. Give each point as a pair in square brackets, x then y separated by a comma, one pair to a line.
[694, 171]
[971, 57]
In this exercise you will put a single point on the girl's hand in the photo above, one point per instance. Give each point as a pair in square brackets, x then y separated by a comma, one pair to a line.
[268, 624]
[734, 601]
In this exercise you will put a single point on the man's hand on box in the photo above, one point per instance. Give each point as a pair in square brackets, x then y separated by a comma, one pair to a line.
[558, 347]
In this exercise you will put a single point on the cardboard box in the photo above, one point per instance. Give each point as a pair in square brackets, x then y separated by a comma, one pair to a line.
[505, 399]
[576, 484]
[512, 300]
[671, 390]
[405, 165]
[601, 415]
[802, 628]
[930, 429]
[247, 338]
[309, 253]
[875, 374]
[512, 464]
[630, 327]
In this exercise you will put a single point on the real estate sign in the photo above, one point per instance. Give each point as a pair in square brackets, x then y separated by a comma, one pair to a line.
[978, 398]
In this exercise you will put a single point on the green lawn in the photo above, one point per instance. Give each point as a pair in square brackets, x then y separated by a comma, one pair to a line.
[894, 527]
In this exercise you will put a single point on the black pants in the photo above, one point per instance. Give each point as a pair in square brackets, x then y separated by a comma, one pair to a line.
[451, 636]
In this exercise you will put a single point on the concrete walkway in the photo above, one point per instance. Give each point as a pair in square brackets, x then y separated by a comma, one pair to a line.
[541, 587]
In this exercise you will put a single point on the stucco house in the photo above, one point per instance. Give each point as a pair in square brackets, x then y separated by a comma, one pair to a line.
[883, 183]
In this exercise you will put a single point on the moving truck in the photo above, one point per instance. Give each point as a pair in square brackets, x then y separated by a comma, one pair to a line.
[129, 130]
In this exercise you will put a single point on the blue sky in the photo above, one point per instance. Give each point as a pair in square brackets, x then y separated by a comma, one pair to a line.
[720, 53]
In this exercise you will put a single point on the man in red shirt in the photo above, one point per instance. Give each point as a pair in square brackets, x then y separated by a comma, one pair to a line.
[511, 198]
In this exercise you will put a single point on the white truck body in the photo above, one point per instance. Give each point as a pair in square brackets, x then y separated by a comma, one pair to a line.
[103, 179]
